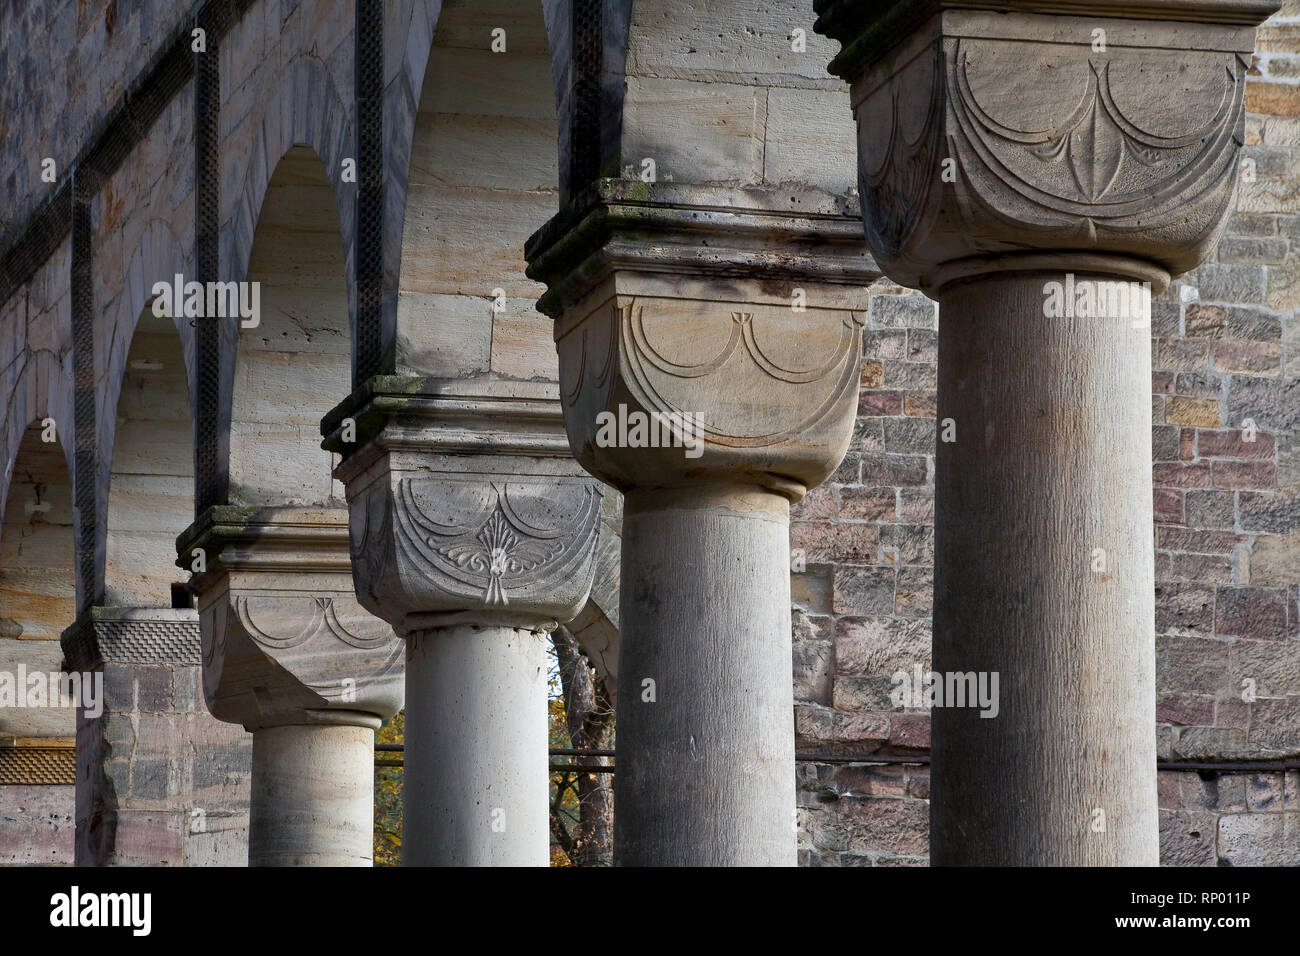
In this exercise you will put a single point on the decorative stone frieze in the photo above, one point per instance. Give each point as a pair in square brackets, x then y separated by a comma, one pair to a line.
[1000, 136]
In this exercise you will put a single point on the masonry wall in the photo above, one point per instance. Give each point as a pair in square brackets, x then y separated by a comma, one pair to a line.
[1226, 346]
[163, 783]
[66, 63]
[36, 825]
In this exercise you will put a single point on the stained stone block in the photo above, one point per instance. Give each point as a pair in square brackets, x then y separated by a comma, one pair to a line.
[150, 758]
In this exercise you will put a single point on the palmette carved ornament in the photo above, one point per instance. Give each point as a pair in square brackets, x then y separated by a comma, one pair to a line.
[975, 147]
[516, 552]
[758, 388]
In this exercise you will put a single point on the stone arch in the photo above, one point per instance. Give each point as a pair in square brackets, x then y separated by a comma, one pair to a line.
[141, 398]
[37, 574]
[480, 178]
[405, 82]
[158, 257]
[293, 366]
[150, 497]
[37, 383]
[309, 112]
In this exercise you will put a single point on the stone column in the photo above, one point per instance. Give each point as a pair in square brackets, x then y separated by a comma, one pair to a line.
[290, 654]
[160, 782]
[1042, 171]
[709, 351]
[473, 534]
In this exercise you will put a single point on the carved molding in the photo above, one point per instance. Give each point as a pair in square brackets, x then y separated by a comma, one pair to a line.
[735, 315]
[120, 635]
[284, 639]
[475, 547]
[767, 392]
[273, 658]
[465, 505]
[984, 147]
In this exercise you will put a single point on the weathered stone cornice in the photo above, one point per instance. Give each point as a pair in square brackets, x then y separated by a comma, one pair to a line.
[869, 31]
[284, 640]
[452, 417]
[284, 539]
[1021, 136]
[761, 233]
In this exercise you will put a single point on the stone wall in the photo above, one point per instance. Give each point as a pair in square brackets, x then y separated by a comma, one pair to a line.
[36, 825]
[165, 783]
[66, 64]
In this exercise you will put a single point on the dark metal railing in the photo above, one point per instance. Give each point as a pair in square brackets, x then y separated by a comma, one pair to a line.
[1276, 765]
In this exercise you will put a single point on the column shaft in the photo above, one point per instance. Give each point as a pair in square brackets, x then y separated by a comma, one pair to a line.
[705, 727]
[476, 784]
[313, 796]
[1044, 575]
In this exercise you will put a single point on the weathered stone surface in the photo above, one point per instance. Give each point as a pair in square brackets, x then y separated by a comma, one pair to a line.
[1187, 838]
[36, 825]
[155, 764]
[1020, 201]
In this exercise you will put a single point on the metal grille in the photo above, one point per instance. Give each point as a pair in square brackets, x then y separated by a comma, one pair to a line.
[85, 441]
[368, 336]
[588, 61]
[209, 486]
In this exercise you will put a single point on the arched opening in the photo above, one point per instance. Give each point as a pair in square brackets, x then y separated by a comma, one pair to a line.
[37, 578]
[151, 487]
[482, 180]
[294, 365]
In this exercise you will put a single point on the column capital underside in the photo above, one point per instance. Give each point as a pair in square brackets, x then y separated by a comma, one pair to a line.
[284, 640]
[706, 337]
[1045, 136]
[465, 504]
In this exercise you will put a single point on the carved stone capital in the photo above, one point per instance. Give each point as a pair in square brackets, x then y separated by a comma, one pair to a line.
[705, 336]
[284, 640]
[1044, 135]
[466, 506]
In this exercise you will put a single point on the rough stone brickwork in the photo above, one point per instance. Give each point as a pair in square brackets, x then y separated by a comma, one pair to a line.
[89, 52]
[1226, 348]
[162, 782]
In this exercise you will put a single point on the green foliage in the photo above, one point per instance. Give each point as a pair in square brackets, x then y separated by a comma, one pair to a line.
[388, 796]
